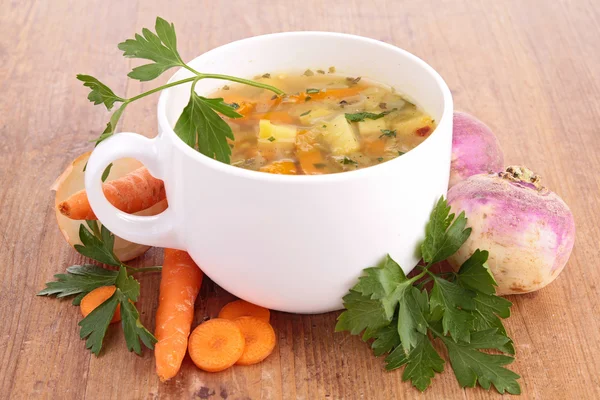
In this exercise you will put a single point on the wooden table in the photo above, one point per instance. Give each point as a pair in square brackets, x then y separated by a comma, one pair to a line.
[527, 68]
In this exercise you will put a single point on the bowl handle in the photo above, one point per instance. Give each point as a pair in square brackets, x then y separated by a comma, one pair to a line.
[157, 230]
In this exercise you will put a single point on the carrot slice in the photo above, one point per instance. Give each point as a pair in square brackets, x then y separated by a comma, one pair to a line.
[216, 344]
[96, 297]
[281, 168]
[241, 308]
[179, 286]
[134, 192]
[260, 339]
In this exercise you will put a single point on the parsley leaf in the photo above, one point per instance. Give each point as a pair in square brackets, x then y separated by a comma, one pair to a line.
[361, 116]
[400, 319]
[132, 327]
[444, 234]
[453, 301]
[421, 363]
[224, 108]
[471, 366]
[386, 339]
[111, 125]
[411, 317]
[100, 94]
[388, 133]
[160, 47]
[348, 161]
[200, 126]
[94, 326]
[97, 246]
[79, 279]
[128, 289]
[361, 313]
[387, 283]
[474, 273]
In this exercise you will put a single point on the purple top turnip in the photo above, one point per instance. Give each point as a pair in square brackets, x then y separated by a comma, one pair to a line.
[475, 149]
[528, 230]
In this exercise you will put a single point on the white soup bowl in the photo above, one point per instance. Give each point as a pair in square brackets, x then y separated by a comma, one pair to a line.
[290, 243]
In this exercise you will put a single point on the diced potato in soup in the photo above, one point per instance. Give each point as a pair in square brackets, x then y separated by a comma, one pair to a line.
[324, 124]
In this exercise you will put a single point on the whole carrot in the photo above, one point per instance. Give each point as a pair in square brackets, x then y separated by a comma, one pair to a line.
[131, 193]
[179, 286]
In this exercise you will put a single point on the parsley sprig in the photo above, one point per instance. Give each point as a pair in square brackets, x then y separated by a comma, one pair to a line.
[81, 279]
[200, 125]
[401, 318]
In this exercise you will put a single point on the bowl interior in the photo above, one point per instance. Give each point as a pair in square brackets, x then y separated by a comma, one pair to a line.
[296, 51]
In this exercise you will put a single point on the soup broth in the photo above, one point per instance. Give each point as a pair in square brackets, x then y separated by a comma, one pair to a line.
[326, 123]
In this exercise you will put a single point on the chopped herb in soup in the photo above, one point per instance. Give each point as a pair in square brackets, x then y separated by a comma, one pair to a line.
[324, 124]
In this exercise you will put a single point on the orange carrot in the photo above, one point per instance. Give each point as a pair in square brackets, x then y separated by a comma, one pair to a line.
[241, 308]
[280, 167]
[134, 192]
[216, 344]
[374, 147]
[179, 286]
[260, 340]
[96, 297]
[310, 158]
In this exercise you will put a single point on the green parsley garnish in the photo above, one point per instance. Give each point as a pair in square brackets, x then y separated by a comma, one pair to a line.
[305, 113]
[380, 159]
[81, 279]
[312, 91]
[400, 153]
[319, 165]
[320, 71]
[461, 311]
[199, 125]
[308, 72]
[271, 139]
[267, 75]
[361, 116]
[387, 133]
[347, 161]
[307, 98]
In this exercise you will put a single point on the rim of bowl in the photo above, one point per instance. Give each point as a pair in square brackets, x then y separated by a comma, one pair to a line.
[262, 176]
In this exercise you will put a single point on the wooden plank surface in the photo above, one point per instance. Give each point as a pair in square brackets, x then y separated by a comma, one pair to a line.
[528, 68]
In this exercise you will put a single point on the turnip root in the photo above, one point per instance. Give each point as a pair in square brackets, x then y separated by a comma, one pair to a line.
[475, 149]
[528, 230]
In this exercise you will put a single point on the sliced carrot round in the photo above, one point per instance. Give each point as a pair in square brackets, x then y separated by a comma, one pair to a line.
[216, 344]
[96, 297]
[241, 308]
[260, 339]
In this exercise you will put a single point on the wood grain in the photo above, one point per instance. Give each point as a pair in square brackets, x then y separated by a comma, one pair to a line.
[529, 69]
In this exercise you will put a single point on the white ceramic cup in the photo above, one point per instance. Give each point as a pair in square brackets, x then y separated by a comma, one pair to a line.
[290, 243]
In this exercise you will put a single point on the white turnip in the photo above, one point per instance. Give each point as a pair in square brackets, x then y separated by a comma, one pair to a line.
[528, 230]
[475, 149]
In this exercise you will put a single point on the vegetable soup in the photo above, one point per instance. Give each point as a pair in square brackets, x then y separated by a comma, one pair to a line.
[326, 123]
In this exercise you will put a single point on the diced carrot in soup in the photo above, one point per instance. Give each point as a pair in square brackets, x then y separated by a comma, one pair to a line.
[280, 167]
[325, 123]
